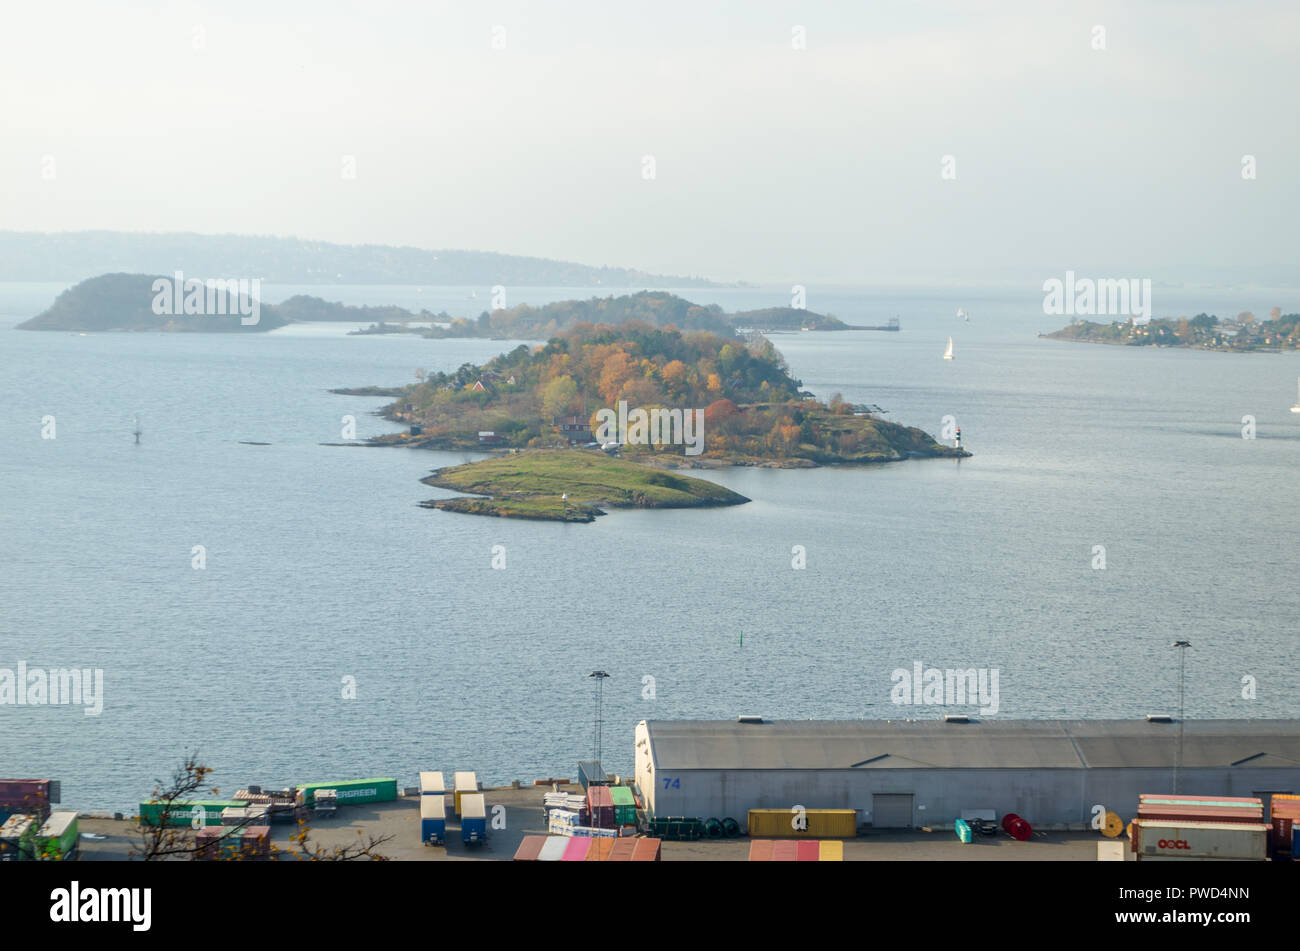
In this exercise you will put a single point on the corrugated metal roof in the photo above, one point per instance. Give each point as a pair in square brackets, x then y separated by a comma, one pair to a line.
[1013, 744]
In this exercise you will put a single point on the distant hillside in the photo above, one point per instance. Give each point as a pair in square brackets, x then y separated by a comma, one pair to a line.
[127, 302]
[76, 255]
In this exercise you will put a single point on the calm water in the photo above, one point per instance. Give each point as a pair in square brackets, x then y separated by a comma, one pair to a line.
[320, 565]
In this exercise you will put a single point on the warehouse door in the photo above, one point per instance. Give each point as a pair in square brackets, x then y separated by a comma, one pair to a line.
[891, 811]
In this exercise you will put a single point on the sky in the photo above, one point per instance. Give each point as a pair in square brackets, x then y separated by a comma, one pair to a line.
[525, 128]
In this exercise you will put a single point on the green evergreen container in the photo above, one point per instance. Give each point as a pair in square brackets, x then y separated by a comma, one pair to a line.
[183, 812]
[353, 792]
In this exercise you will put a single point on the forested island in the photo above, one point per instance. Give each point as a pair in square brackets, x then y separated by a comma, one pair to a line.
[1204, 332]
[716, 400]
[656, 308]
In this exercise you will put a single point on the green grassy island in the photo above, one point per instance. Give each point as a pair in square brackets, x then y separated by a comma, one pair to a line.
[533, 483]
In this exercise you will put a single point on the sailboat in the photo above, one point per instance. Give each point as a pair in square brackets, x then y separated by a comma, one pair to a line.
[137, 432]
[947, 354]
[1296, 407]
[962, 314]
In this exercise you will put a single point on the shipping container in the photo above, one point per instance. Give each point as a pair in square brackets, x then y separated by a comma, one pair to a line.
[600, 849]
[184, 813]
[760, 850]
[17, 839]
[1161, 839]
[433, 820]
[600, 806]
[255, 842]
[622, 850]
[1285, 807]
[808, 850]
[473, 818]
[821, 824]
[529, 848]
[553, 849]
[432, 784]
[464, 781]
[832, 850]
[352, 792]
[1282, 831]
[647, 850]
[591, 774]
[1200, 813]
[785, 850]
[28, 797]
[624, 805]
[1168, 798]
[576, 850]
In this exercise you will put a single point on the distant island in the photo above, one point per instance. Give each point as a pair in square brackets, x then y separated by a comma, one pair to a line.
[657, 396]
[135, 302]
[656, 308]
[76, 255]
[1203, 332]
[129, 302]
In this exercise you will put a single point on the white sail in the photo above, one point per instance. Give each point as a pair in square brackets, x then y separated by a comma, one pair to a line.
[1296, 407]
[947, 354]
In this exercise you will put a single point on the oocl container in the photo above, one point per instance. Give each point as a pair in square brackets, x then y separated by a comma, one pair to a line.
[821, 823]
[464, 781]
[1163, 839]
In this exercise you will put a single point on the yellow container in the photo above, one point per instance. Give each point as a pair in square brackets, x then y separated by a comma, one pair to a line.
[832, 850]
[821, 824]
[464, 782]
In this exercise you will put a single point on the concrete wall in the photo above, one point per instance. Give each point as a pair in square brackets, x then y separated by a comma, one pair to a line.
[1042, 796]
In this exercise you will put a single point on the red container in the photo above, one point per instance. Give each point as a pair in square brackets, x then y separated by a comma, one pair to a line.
[1244, 814]
[529, 848]
[623, 849]
[208, 842]
[1282, 832]
[809, 850]
[760, 850]
[1287, 808]
[785, 850]
[600, 803]
[255, 842]
[647, 850]
[25, 795]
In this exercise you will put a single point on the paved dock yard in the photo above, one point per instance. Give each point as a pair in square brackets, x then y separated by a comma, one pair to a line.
[523, 806]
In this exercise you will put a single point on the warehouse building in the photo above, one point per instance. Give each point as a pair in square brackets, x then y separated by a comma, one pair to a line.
[907, 773]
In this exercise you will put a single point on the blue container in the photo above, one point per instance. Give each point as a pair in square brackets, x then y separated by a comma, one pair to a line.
[591, 774]
[963, 830]
[473, 818]
[433, 820]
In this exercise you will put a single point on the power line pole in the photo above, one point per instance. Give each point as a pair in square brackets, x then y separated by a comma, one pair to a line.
[600, 676]
[1182, 666]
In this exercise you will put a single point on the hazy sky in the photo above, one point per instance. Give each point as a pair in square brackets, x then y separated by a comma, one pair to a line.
[771, 163]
